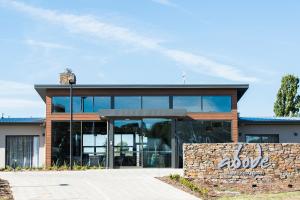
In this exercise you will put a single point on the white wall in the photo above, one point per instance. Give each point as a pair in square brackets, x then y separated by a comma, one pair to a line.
[286, 132]
[18, 129]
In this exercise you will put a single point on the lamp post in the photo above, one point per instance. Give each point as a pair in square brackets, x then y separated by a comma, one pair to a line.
[72, 80]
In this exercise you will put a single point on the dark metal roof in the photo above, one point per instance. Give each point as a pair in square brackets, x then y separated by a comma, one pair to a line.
[21, 120]
[269, 120]
[111, 113]
[241, 88]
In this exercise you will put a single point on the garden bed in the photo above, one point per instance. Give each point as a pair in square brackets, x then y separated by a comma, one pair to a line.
[207, 190]
[5, 192]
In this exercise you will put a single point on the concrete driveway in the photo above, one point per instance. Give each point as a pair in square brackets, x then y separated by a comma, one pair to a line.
[117, 184]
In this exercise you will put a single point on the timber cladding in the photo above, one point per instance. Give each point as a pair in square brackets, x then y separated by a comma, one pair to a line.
[242, 163]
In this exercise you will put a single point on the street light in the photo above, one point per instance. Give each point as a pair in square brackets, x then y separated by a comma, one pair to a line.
[72, 80]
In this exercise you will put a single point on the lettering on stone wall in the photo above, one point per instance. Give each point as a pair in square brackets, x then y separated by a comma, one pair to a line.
[247, 162]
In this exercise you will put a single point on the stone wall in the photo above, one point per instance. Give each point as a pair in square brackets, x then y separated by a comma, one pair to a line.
[242, 163]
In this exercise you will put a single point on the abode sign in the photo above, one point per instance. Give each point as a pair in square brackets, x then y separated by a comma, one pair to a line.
[229, 162]
[248, 162]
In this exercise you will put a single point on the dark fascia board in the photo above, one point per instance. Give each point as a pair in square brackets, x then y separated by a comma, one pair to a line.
[241, 88]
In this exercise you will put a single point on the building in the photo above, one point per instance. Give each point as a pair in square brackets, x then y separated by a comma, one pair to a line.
[269, 130]
[22, 142]
[137, 125]
[134, 125]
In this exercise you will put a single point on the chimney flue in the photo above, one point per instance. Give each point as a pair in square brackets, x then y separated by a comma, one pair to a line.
[67, 77]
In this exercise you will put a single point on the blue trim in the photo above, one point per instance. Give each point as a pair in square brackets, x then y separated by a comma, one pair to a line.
[22, 120]
[270, 119]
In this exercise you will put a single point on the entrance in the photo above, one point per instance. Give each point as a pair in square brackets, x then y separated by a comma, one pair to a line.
[128, 143]
[142, 143]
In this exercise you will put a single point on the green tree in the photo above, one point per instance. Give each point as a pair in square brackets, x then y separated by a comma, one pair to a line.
[287, 102]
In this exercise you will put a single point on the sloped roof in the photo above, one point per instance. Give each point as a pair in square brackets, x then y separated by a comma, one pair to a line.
[241, 88]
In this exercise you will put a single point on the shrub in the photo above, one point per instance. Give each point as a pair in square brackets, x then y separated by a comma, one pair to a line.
[189, 184]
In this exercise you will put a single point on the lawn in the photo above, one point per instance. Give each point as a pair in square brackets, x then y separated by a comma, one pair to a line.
[278, 196]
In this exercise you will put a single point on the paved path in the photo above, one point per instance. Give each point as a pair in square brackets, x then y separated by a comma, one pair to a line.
[117, 184]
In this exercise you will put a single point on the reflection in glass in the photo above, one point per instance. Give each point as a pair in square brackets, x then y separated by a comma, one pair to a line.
[126, 151]
[190, 103]
[157, 143]
[60, 143]
[267, 138]
[87, 104]
[216, 103]
[94, 143]
[76, 104]
[128, 102]
[60, 104]
[155, 102]
[101, 103]
[197, 131]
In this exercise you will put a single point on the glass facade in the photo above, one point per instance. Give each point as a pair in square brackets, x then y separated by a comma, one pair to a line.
[128, 102]
[142, 142]
[127, 143]
[101, 103]
[216, 103]
[155, 102]
[81, 104]
[90, 104]
[197, 131]
[157, 143]
[88, 144]
[266, 138]
[61, 104]
[203, 103]
[190, 103]
[145, 143]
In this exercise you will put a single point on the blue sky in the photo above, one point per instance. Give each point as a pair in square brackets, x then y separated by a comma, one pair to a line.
[147, 41]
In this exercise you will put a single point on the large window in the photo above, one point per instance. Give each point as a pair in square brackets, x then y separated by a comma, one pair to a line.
[128, 102]
[155, 102]
[94, 136]
[101, 103]
[88, 143]
[157, 143]
[127, 143]
[266, 138]
[203, 103]
[90, 104]
[197, 131]
[216, 103]
[190, 103]
[60, 104]
[87, 104]
[22, 151]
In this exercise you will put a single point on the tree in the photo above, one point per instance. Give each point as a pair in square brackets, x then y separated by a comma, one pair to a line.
[287, 102]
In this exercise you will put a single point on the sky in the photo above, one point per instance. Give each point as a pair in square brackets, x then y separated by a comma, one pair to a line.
[147, 42]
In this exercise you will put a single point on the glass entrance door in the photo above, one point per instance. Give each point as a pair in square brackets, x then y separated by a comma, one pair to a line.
[127, 143]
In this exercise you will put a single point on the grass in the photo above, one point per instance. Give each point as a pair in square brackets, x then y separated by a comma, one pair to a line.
[278, 196]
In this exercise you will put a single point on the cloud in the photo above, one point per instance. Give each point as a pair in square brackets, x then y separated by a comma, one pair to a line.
[46, 45]
[17, 97]
[91, 26]
[165, 2]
